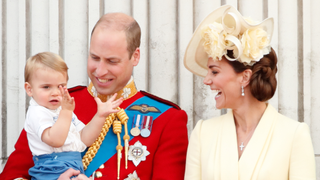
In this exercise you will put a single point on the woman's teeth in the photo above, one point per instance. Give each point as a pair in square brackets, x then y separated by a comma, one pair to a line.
[217, 93]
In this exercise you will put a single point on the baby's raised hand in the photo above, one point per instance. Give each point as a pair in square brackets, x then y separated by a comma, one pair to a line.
[104, 109]
[67, 102]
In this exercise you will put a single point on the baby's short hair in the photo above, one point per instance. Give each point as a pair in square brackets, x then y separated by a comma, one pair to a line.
[44, 60]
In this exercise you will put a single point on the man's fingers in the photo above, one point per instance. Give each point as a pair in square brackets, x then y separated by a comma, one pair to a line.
[72, 172]
[82, 177]
[68, 173]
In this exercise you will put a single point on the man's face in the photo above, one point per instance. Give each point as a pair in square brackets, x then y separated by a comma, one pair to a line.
[109, 66]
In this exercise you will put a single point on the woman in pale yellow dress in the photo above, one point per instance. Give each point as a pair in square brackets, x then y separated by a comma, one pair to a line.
[251, 141]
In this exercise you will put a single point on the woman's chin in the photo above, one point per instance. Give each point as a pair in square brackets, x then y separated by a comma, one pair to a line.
[217, 107]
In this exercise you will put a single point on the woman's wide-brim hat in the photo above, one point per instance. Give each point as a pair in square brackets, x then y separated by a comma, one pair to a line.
[195, 58]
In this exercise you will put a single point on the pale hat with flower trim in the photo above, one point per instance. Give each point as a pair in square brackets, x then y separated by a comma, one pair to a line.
[226, 29]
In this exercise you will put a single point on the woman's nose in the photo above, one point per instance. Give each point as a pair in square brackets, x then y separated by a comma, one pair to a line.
[207, 80]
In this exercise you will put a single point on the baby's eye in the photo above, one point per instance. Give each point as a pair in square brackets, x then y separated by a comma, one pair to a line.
[46, 87]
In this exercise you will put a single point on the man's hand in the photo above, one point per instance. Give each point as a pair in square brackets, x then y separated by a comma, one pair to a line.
[67, 102]
[71, 172]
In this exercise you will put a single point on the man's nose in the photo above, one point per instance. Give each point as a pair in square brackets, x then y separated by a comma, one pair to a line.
[102, 69]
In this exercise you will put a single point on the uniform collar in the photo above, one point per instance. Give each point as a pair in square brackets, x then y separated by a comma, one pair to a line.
[127, 92]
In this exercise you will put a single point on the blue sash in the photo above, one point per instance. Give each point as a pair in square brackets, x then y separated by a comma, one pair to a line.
[108, 146]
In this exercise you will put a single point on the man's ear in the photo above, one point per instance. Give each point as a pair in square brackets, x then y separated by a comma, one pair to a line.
[246, 76]
[136, 57]
[28, 88]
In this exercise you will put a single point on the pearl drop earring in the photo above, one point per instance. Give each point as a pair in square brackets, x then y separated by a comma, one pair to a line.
[242, 91]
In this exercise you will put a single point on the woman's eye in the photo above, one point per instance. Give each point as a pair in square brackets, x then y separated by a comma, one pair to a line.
[214, 72]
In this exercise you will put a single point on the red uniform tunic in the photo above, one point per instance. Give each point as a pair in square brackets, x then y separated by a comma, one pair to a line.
[167, 143]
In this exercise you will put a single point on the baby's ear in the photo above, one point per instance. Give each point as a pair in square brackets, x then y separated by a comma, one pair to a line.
[28, 89]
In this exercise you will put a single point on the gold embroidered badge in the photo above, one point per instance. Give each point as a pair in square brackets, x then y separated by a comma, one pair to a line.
[144, 108]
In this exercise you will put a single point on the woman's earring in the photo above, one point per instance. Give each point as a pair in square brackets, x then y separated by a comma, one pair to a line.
[242, 91]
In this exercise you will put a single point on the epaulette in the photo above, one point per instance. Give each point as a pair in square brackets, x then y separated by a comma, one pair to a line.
[76, 88]
[160, 99]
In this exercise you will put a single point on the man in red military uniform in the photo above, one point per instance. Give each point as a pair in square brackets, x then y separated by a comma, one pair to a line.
[156, 129]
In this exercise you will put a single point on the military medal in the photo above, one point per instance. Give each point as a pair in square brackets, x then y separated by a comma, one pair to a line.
[138, 153]
[133, 176]
[146, 129]
[136, 131]
[145, 133]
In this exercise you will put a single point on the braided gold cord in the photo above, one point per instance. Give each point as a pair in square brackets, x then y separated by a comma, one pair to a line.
[117, 127]
[93, 149]
[117, 130]
[123, 117]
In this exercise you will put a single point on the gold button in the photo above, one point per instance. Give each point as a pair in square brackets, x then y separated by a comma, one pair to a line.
[102, 166]
[98, 174]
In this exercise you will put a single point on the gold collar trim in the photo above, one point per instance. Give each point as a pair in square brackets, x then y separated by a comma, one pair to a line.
[127, 92]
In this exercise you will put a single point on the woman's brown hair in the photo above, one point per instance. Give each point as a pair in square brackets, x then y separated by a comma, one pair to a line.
[263, 82]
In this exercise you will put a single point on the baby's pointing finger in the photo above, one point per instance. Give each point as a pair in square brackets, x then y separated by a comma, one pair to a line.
[113, 97]
[67, 93]
[117, 103]
[98, 101]
[114, 111]
[61, 90]
[72, 99]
